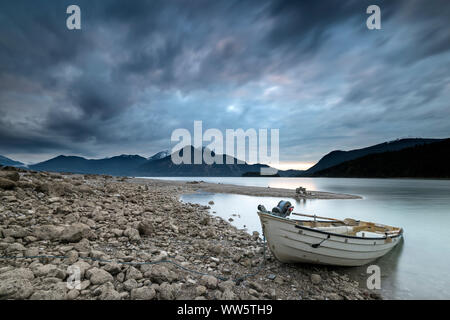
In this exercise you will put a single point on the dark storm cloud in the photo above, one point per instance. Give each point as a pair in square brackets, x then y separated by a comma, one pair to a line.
[137, 70]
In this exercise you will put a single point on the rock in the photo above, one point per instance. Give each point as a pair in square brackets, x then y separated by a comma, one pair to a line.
[113, 268]
[226, 285]
[228, 295]
[205, 221]
[161, 257]
[49, 270]
[6, 184]
[130, 284]
[253, 292]
[279, 280]
[146, 227]
[200, 290]
[54, 199]
[272, 294]
[271, 276]
[15, 288]
[83, 267]
[132, 234]
[83, 245]
[211, 202]
[58, 292]
[159, 274]
[75, 232]
[99, 276]
[120, 277]
[15, 232]
[215, 249]
[72, 256]
[10, 175]
[48, 232]
[174, 228]
[167, 291]
[133, 273]
[31, 252]
[15, 247]
[144, 293]
[108, 292]
[315, 278]
[333, 296]
[209, 282]
[255, 285]
[73, 294]
[20, 273]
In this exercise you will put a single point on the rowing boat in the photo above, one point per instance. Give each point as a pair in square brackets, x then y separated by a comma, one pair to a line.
[322, 240]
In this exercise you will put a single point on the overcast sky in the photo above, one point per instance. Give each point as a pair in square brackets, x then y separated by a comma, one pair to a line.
[140, 69]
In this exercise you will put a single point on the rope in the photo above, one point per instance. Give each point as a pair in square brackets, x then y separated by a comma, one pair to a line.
[237, 280]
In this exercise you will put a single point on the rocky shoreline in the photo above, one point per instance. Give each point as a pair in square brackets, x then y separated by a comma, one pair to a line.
[132, 239]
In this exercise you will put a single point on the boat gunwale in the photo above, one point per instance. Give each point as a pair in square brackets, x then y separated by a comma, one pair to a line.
[293, 222]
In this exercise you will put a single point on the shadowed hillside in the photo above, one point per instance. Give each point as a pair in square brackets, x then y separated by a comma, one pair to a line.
[422, 161]
[336, 157]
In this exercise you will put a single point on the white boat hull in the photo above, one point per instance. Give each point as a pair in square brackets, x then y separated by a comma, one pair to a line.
[291, 243]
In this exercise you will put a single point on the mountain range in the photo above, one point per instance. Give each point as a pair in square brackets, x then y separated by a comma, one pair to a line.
[378, 160]
[158, 165]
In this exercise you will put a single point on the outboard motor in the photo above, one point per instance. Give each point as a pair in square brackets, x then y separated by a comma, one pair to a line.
[283, 209]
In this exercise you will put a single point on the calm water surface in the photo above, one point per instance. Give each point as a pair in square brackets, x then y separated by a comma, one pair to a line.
[418, 268]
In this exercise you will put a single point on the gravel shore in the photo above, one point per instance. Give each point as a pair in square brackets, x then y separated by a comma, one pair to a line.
[134, 239]
[194, 186]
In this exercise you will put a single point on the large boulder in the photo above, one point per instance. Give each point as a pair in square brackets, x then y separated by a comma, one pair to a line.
[146, 228]
[10, 175]
[7, 184]
[15, 232]
[99, 276]
[49, 270]
[167, 291]
[48, 232]
[19, 273]
[15, 288]
[144, 293]
[108, 292]
[133, 273]
[75, 232]
[209, 282]
[132, 234]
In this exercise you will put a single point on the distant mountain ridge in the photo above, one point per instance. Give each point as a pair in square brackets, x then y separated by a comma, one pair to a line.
[4, 161]
[430, 160]
[336, 157]
[118, 165]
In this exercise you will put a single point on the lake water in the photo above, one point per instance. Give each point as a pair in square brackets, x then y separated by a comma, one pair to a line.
[418, 268]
